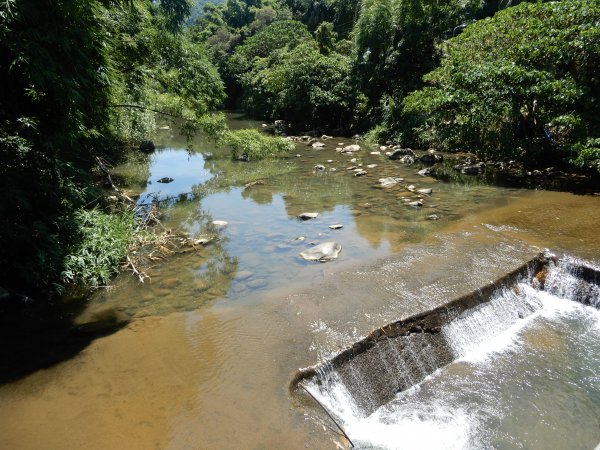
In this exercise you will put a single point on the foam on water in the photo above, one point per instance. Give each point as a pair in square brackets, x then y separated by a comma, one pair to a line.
[477, 339]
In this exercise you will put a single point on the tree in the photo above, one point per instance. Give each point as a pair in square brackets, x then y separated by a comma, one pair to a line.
[65, 67]
[522, 84]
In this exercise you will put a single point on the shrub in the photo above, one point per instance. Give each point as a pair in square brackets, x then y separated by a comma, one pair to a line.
[255, 145]
[102, 244]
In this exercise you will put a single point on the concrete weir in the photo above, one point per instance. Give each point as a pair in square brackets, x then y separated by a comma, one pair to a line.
[401, 354]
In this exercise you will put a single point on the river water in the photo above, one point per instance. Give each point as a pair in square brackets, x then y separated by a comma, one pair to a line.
[215, 335]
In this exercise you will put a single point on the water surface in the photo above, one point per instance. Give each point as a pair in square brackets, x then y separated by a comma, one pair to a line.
[216, 333]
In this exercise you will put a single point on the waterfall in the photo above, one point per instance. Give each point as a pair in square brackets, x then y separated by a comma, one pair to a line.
[365, 385]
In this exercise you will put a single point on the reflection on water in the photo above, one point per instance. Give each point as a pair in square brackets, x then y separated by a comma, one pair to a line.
[216, 377]
[258, 250]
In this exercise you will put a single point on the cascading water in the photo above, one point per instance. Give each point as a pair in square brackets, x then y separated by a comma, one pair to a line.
[528, 359]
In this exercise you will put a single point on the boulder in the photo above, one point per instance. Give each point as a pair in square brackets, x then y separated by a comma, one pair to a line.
[431, 158]
[337, 226]
[425, 172]
[399, 153]
[470, 169]
[387, 182]
[165, 180]
[425, 191]
[408, 160]
[351, 148]
[318, 145]
[359, 173]
[319, 167]
[327, 251]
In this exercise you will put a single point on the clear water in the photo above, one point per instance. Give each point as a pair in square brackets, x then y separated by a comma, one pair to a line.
[259, 249]
[206, 361]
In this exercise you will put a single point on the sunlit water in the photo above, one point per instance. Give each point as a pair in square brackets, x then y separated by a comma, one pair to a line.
[216, 334]
[259, 249]
[516, 383]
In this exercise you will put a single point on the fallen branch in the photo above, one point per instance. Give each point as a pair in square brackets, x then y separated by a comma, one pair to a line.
[104, 169]
[141, 275]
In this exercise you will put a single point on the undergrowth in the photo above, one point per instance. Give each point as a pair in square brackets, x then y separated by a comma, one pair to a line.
[253, 144]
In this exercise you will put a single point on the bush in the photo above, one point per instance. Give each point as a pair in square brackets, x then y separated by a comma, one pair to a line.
[255, 145]
[102, 244]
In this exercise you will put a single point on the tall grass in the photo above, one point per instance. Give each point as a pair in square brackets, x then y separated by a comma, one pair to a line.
[102, 245]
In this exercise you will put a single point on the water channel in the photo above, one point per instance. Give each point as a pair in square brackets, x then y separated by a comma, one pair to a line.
[215, 335]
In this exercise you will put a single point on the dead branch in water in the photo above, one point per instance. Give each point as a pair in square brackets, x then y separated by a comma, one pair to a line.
[141, 275]
[104, 169]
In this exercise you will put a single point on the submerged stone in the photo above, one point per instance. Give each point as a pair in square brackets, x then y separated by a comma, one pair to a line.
[327, 251]
[387, 182]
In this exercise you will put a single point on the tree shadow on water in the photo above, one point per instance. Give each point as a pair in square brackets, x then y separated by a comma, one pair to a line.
[39, 334]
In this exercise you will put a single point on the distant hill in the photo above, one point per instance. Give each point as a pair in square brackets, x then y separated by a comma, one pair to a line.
[198, 8]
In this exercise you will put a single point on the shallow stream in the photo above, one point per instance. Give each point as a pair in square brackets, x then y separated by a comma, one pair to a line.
[216, 334]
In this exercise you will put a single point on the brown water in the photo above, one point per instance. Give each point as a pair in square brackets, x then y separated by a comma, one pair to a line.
[216, 334]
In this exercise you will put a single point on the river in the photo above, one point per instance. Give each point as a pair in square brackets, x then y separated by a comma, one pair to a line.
[214, 336]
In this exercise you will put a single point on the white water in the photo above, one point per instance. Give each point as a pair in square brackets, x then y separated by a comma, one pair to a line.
[516, 383]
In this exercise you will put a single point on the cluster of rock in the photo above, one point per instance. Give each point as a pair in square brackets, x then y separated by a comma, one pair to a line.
[326, 251]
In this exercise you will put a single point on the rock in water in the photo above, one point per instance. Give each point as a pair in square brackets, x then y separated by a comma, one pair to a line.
[387, 182]
[327, 251]
[426, 191]
[308, 215]
[351, 148]
[399, 153]
[147, 146]
[220, 223]
[337, 226]
[431, 158]
[165, 180]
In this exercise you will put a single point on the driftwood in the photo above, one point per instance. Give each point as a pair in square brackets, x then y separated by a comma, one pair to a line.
[103, 167]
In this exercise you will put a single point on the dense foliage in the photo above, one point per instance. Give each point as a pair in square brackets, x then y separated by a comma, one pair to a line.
[522, 85]
[76, 75]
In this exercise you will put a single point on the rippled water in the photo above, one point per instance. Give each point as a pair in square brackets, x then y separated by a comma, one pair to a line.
[216, 334]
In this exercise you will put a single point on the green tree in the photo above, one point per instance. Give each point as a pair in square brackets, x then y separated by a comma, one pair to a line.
[303, 87]
[63, 67]
[522, 84]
